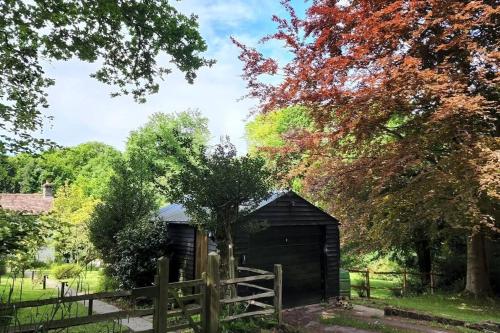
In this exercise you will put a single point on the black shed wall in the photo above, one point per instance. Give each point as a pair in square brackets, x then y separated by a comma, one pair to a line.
[289, 231]
[182, 238]
[304, 239]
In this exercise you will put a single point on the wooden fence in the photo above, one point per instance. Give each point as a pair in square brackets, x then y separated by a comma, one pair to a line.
[174, 303]
[404, 285]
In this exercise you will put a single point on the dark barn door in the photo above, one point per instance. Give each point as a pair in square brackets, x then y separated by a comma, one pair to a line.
[300, 250]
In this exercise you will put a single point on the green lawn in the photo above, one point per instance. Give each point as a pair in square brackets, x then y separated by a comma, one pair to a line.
[24, 289]
[88, 282]
[370, 325]
[358, 279]
[444, 305]
[34, 291]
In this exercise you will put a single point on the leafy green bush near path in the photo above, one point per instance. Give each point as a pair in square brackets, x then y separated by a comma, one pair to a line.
[66, 271]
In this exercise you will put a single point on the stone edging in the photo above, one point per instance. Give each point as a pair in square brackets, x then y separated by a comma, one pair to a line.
[486, 326]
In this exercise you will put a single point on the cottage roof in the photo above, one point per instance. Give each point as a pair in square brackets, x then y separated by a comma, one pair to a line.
[176, 212]
[33, 203]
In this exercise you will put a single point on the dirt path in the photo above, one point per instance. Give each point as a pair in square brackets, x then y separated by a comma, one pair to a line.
[100, 307]
[308, 318]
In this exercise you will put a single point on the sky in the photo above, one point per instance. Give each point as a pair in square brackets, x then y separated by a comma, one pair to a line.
[83, 110]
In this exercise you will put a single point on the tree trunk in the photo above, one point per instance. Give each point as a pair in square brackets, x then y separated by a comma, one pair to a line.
[478, 279]
[424, 260]
[424, 255]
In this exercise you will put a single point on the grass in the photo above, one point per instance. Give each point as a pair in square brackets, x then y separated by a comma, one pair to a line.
[34, 291]
[376, 326]
[24, 289]
[89, 281]
[371, 325]
[358, 279]
[451, 306]
[443, 305]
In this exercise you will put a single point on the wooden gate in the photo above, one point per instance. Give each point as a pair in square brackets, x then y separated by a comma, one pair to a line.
[176, 303]
[193, 304]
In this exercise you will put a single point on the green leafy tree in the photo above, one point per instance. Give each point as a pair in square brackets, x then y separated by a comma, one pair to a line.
[72, 212]
[270, 130]
[21, 235]
[126, 37]
[88, 164]
[166, 143]
[268, 134]
[136, 252]
[129, 200]
[220, 190]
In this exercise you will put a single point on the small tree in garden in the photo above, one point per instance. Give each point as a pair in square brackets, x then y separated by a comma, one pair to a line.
[21, 235]
[136, 252]
[72, 212]
[166, 143]
[124, 230]
[130, 199]
[219, 190]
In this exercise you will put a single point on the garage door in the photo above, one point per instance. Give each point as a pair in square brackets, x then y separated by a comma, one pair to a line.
[299, 250]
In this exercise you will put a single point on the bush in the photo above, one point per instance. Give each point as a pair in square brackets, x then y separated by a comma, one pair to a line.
[249, 325]
[37, 264]
[136, 251]
[107, 282]
[67, 271]
[416, 286]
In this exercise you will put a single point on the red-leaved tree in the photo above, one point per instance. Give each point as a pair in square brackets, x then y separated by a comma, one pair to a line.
[404, 95]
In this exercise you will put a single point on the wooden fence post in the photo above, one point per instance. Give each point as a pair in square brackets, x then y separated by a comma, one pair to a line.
[405, 281]
[232, 271]
[203, 302]
[367, 283]
[278, 283]
[431, 276]
[90, 306]
[63, 284]
[162, 296]
[213, 293]
[156, 301]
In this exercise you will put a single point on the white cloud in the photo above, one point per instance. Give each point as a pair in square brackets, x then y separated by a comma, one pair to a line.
[84, 111]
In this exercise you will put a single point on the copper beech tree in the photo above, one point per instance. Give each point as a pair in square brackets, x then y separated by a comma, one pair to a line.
[404, 98]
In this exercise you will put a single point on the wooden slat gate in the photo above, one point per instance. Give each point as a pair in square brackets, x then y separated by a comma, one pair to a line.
[176, 303]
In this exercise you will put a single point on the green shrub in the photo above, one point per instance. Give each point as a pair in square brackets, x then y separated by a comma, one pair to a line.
[136, 251]
[67, 271]
[249, 325]
[37, 264]
[107, 282]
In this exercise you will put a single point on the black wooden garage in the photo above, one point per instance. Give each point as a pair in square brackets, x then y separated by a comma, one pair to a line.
[285, 229]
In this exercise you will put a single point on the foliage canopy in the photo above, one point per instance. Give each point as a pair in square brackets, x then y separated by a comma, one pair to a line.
[127, 38]
[404, 98]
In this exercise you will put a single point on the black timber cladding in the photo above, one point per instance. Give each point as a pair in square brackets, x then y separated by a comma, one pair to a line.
[285, 229]
[182, 237]
[300, 236]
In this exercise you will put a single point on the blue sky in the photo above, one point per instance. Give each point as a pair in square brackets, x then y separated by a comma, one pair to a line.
[83, 111]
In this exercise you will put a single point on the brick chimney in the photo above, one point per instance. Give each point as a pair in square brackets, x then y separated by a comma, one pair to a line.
[48, 190]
